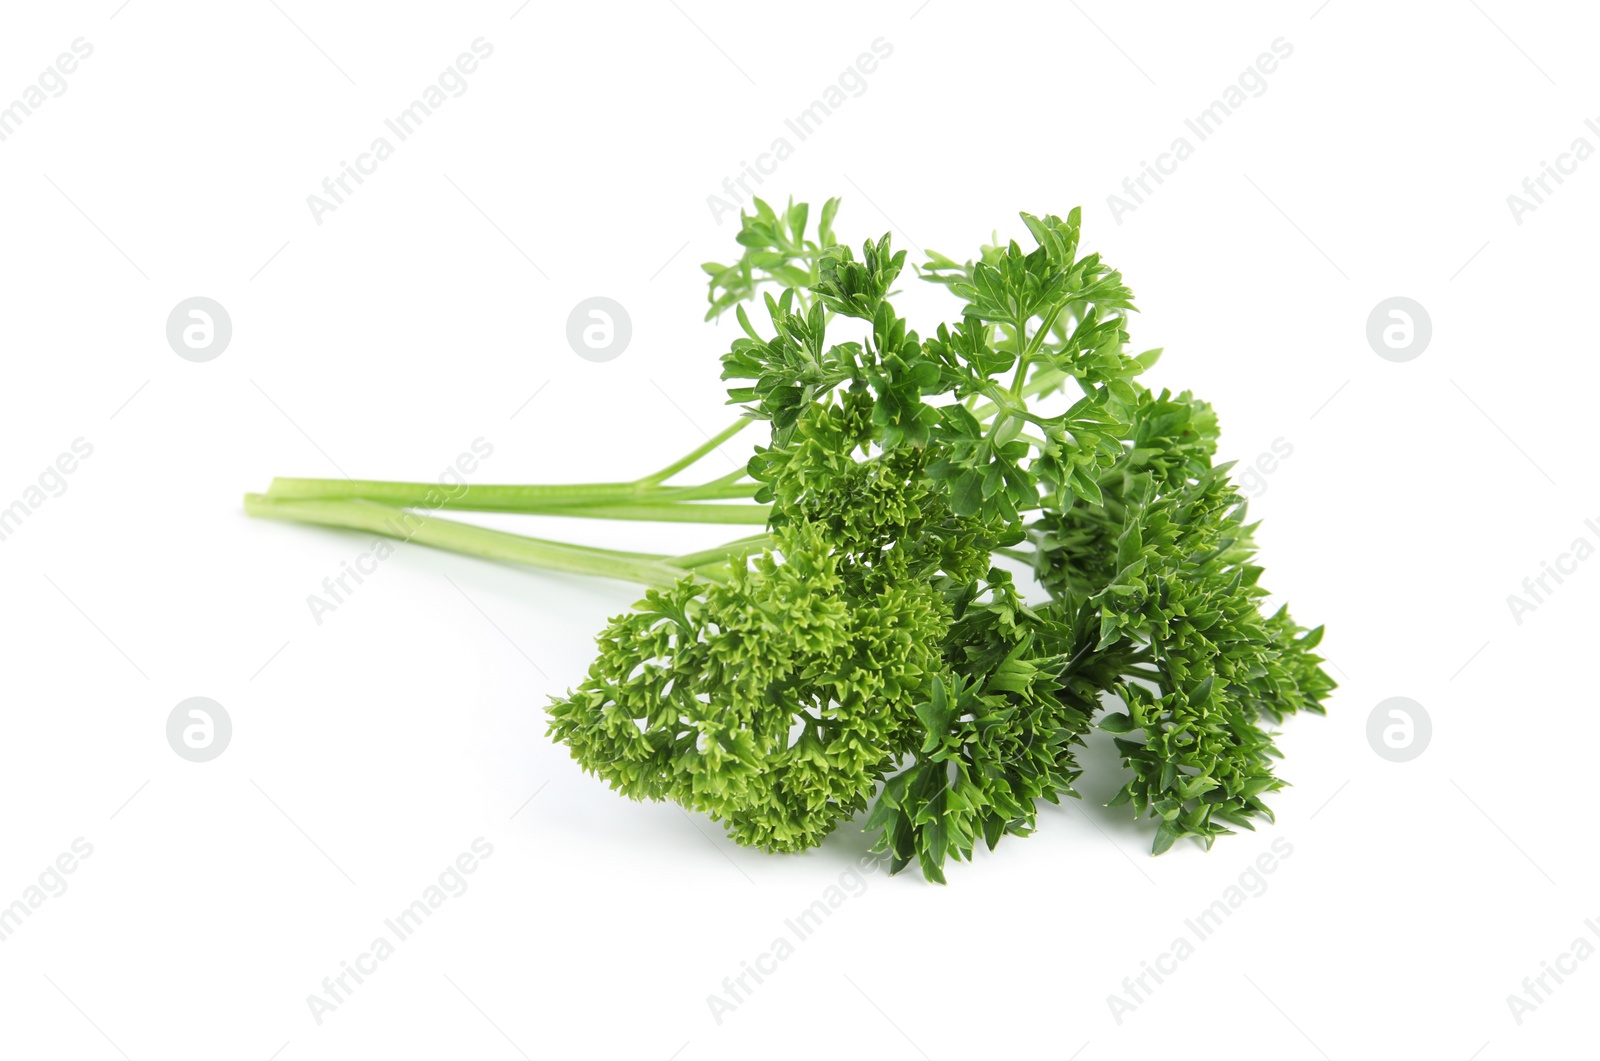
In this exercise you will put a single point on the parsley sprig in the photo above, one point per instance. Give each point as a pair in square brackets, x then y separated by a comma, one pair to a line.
[871, 650]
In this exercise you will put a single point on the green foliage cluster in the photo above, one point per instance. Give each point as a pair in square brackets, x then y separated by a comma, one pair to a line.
[872, 651]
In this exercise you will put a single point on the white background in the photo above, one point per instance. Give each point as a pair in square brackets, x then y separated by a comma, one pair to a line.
[372, 749]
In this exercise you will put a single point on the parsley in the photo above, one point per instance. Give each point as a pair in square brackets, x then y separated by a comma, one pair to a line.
[870, 650]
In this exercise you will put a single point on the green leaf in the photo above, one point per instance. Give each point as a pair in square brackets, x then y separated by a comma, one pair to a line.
[1166, 834]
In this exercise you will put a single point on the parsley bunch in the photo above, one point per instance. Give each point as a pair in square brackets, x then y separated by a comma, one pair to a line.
[871, 649]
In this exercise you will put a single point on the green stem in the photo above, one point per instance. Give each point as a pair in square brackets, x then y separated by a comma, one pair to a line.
[632, 500]
[725, 489]
[741, 547]
[664, 512]
[695, 454]
[547, 499]
[1043, 381]
[1044, 331]
[1024, 352]
[469, 540]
